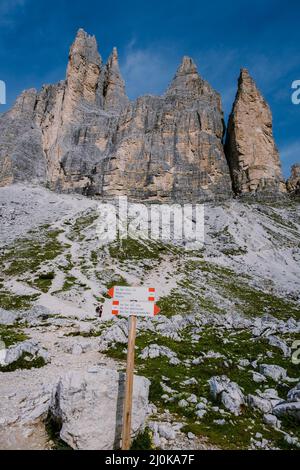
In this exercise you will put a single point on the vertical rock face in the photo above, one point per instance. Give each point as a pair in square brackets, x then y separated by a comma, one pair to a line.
[83, 72]
[293, 183]
[84, 135]
[114, 94]
[250, 148]
[21, 152]
[170, 147]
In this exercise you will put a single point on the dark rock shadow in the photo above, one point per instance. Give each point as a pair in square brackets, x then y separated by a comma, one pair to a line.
[119, 411]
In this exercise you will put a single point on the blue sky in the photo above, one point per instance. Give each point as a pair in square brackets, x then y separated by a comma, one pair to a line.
[152, 37]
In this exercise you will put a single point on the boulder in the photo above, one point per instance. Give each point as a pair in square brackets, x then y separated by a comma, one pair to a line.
[228, 392]
[260, 403]
[273, 371]
[89, 407]
[271, 420]
[7, 318]
[291, 407]
[279, 343]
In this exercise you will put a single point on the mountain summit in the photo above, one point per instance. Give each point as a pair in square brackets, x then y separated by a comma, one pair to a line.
[84, 135]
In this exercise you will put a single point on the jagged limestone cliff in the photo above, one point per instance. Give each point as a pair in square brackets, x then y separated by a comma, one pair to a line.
[84, 135]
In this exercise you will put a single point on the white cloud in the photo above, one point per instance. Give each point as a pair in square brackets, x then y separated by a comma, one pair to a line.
[147, 71]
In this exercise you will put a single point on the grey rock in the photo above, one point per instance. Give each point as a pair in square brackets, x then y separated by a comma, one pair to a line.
[77, 349]
[29, 347]
[294, 393]
[183, 404]
[273, 371]
[167, 147]
[220, 422]
[90, 408]
[291, 407]
[291, 440]
[117, 333]
[7, 318]
[260, 403]
[293, 183]
[279, 343]
[244, 363]
[154, 350]
[201, 406]
[166, 431]
[228, 392]
[191, 381]
[192, 399]
[201, 413]
[258, 378]
[271, 420]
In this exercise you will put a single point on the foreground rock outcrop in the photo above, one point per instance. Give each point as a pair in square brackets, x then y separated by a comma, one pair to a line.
[90, 408]
[86, 405]
[250, 147]
[84, 135]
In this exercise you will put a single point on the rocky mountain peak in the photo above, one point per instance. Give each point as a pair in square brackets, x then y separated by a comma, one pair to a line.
[187, 66]
[83, 71]
[250, 148]
[186, 80]
[85, 46]
[84, 135]
[113, 84]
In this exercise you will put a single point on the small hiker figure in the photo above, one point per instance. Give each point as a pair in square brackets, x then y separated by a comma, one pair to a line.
[99, 310]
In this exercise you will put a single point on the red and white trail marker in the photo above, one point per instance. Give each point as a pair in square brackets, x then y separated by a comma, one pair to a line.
[132, 308]
[131, 302]
[140, 294]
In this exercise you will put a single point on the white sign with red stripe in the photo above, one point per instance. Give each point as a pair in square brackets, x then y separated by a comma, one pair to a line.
[129, 308]
[141, 294]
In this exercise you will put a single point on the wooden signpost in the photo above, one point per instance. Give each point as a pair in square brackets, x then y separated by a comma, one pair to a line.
[131, 302]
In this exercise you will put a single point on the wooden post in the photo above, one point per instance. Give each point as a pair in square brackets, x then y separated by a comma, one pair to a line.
[126, 435]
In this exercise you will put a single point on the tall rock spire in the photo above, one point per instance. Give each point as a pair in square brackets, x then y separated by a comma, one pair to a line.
[113, 84]
[250, 148]
[186, 78]
[84, 69]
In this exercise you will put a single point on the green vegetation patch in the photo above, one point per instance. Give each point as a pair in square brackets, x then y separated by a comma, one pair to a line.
[28, 255]
[26, 361]
[53, 428]
[10, 301]
[82, 223]
[249, 300]
[175, 304]
[131, 249]
[143, 441]
[254, 302]
[43, 282]
[11, 335]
